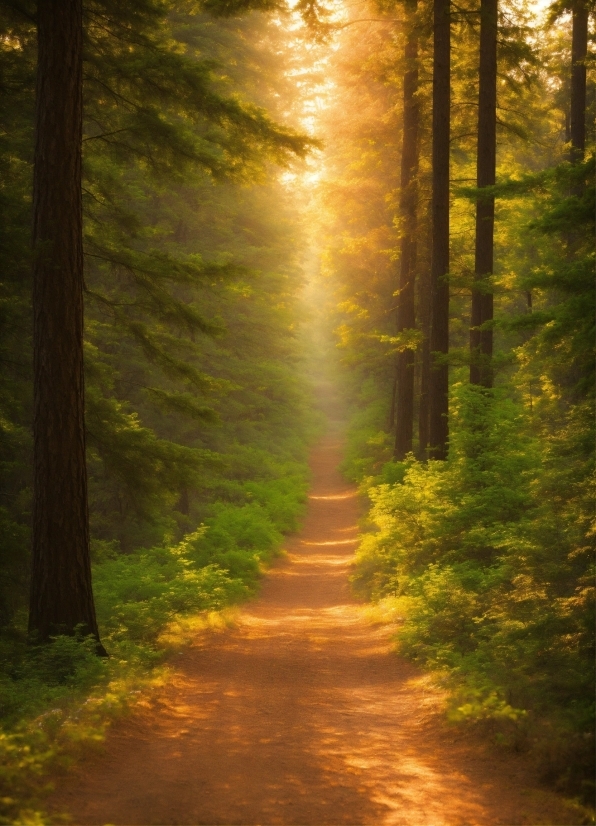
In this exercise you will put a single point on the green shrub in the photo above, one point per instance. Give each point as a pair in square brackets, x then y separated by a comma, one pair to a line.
[34, 676]
[489, 557]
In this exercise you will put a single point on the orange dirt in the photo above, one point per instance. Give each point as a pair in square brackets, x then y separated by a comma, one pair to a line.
[301, 714]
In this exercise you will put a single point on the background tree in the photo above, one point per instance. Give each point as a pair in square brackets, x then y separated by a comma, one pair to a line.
[406, 307]
[579, 52]
[439, 339]
[481, 334]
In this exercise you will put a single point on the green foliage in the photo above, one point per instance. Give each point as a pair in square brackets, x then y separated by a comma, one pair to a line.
[138, 594]
[368, 443]
[493, 575]
[35, 677]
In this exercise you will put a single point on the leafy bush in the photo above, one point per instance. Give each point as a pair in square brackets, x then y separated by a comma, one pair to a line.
[138, 594]
[493, 575]
[33, 677]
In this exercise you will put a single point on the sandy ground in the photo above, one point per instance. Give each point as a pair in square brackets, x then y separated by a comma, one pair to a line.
[301, 714]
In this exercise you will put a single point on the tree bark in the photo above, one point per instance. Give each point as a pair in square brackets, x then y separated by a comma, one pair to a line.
[424, 310]
[392, 406]
[423, 314]
[439, 342]
[579, 51]
[406, 311]
[61, 595]
[481, 336]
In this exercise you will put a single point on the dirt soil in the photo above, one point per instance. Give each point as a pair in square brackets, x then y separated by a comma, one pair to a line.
[302, 714]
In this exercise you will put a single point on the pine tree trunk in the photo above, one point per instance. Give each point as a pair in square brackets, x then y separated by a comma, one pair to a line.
[423, 289]
[579, 50]
[481, 340]
[439, 341]
[423, 401]
[392, 406]
[406, 312]
[61, 596]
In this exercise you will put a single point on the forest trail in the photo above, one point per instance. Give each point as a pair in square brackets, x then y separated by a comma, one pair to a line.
[301, 714]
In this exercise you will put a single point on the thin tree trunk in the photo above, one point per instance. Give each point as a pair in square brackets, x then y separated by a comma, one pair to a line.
[481, 340]
[439, 342]
[184, 502]
[61, 596]
[424, 314]
[391, 417]
[423, 411]
[406, 310]
[579, 50]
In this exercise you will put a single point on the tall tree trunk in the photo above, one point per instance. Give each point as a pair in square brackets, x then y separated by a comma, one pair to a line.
[423, 411]
[439, 341]
[392, 406]
[579, 50]
[423, 290]
[481, 340]
[61, 596]
[424, 299]
[406, 311]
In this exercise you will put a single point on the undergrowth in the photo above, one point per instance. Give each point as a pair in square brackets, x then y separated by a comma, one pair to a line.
[55, 699]
[486, 562]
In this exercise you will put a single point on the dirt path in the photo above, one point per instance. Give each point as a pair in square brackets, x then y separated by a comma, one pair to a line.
[301, 715]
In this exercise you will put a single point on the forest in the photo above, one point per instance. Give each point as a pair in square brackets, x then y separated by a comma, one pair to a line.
[211, 211]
